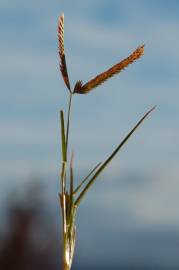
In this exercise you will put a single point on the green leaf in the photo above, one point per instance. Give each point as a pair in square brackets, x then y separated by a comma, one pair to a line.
[71, 180]
[86, 178]
[63, 143]
[106, 162]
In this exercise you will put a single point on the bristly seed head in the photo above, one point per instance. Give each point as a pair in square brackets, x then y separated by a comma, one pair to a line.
[78, 86]
[61, 34]
[63, 66]
[101, 78]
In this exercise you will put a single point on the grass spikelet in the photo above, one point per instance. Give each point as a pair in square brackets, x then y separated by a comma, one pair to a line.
[63, 66]
[101, 78]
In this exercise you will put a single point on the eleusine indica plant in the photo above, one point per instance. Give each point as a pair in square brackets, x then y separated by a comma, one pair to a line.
[70, 195]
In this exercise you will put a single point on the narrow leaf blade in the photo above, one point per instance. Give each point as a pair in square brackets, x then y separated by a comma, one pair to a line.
[71, 178]
[86, 178]
[106, 162]
[63, 143]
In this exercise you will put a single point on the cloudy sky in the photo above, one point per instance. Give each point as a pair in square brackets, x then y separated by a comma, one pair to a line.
[143, 187]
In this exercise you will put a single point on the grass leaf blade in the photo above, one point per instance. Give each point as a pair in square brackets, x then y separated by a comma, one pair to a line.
[86, 178]
[71, 178]
[63, 142]
[106, 162]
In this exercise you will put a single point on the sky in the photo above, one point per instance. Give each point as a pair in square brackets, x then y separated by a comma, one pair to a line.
[143, 187]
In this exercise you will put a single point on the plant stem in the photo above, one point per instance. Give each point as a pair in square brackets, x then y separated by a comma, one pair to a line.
[68, 121]
[67, 218]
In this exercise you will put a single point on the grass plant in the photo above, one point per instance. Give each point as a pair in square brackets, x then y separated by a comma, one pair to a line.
[70, 195]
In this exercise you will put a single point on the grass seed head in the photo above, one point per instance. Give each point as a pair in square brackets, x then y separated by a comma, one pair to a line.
[63, 66]
[101, 78]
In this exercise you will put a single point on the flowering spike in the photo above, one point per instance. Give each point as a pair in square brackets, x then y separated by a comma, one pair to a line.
[101, 78]
[63, 66]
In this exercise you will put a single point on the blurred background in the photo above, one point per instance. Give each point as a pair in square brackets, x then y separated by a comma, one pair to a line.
[130, 218]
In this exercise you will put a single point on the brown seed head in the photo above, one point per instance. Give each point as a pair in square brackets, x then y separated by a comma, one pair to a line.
[101, 78]
[63, 66]
[61, 34]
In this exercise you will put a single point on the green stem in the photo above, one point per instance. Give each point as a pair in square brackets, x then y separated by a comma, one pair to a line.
[64, 195]
[68, 121]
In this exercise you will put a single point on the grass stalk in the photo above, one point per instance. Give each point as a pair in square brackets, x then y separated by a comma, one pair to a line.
[68, 120]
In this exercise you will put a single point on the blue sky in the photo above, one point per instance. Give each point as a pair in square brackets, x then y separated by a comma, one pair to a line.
[97, 35]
